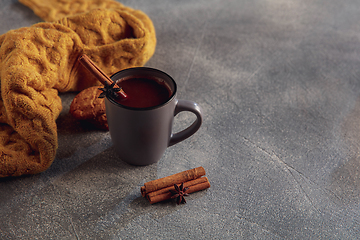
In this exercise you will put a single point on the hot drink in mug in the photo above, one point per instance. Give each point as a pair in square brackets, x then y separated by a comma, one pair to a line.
[141, 124]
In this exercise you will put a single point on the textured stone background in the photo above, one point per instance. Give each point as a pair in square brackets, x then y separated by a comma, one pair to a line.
[278, 82]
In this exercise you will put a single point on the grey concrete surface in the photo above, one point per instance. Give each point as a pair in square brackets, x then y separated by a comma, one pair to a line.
[279, 85]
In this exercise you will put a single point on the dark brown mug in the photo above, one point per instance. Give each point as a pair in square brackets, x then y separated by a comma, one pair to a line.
[141, 135]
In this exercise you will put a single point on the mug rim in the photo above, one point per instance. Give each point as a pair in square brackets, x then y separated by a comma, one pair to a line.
[172, 96]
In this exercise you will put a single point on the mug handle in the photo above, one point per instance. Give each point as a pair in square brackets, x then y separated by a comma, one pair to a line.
[185, 105]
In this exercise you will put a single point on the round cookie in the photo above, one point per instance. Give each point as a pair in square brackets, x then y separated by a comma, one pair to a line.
[87, 106]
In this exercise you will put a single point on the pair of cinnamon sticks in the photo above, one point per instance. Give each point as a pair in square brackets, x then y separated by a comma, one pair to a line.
[162, 189]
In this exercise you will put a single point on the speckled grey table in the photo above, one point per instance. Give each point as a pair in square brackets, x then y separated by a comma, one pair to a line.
[279, 85]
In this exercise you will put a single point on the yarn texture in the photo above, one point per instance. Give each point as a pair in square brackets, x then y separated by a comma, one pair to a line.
[38, 62]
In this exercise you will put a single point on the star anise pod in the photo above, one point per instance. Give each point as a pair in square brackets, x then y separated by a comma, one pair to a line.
[109, 91]
[179, 193]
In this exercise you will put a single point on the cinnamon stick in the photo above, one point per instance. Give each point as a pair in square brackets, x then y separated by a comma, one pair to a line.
[166, 193]
[99, 74]
[177, 178]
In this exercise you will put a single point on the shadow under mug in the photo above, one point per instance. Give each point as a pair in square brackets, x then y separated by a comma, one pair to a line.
[141, 135]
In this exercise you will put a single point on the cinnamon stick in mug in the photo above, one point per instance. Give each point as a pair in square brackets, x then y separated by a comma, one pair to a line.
[168, 181]
[166, 193]
[99, 74]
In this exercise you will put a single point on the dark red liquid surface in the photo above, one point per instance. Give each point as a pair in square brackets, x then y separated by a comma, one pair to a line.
[143, 92]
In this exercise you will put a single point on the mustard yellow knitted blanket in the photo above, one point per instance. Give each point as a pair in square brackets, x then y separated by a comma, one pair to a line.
[38, 62]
